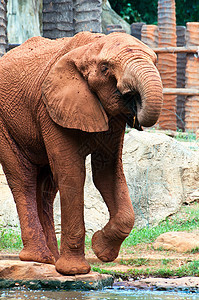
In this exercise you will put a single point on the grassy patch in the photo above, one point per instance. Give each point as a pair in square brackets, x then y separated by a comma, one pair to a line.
[195, 250]
[185, 220]
[188, 136]
[166, 261]
[179, 135]
[189, 269]
[136, 262]
[10, 239]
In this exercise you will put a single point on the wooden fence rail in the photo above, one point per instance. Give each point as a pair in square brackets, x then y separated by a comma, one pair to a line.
[177, 50]
[181, 91]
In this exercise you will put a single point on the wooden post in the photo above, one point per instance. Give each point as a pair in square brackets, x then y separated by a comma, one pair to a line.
[181, 67]
[192, 78]
[3, 23]
[167, 62]
[136, 29]
[58, 18]
[149, 35]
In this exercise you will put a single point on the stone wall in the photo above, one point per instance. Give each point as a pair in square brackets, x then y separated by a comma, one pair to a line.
[161, 173]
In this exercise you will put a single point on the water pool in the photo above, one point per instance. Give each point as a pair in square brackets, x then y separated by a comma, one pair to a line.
[107, 294]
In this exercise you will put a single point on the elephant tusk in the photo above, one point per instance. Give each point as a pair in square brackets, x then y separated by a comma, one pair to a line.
[134, 118]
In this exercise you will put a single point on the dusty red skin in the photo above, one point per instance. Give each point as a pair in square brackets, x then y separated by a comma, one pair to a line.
[51, 119]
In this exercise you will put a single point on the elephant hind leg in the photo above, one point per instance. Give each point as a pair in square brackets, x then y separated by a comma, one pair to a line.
[21, 175]
[46, 192]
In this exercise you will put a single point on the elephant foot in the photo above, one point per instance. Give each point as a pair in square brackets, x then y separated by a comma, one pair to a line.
[72, 265]
[104, 248]
[37, 255]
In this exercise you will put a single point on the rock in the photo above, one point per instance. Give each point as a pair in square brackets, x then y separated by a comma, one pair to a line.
[192, 197]
[177, 241]
[189, 284]
[109, 16]
[40, 276]
[161, 172]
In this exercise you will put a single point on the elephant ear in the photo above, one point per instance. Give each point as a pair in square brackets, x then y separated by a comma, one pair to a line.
[69, 100]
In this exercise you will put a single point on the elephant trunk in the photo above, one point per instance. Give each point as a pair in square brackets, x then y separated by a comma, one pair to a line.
[143, 79]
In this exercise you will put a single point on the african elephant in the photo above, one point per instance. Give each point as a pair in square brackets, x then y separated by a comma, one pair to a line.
[61, 100]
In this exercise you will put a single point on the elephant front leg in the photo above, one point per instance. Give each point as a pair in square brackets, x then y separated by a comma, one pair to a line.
[110, 181]
[71, 184]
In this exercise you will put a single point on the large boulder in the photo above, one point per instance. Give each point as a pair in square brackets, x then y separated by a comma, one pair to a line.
[110, 17]
[37, 276]
[178, 241]
[161, 174]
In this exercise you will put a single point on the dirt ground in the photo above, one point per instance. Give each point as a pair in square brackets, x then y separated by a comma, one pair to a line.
[143, 256]
[140, 257]
[147, 260]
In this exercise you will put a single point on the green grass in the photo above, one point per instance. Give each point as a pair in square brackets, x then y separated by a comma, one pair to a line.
[179, 135]
[166, 261]
[195, 250]
[185, 220]
[136, 262]
[188, 136]
[10, 239]
[189, 269]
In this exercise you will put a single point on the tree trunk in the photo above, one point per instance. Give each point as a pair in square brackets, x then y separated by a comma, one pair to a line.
[87, 15]
[167, 61]
[24, 20]
[192, 78]
[3, 24]
[149, 35]
[181, 68]
[64, 18]
[58, 19]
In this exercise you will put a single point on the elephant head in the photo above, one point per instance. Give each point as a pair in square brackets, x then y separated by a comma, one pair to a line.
[110, 75]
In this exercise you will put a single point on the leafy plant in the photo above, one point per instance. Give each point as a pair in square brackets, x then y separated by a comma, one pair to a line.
[146, 10]
[130, 15]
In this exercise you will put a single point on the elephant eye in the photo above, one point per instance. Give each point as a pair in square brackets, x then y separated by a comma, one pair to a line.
[104, 69]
